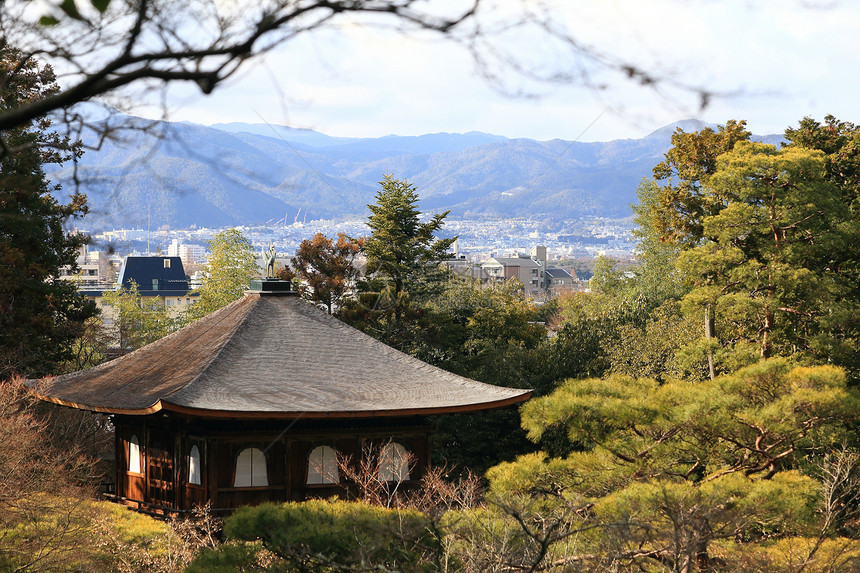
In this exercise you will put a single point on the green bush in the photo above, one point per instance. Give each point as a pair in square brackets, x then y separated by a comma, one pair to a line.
[46, 532]
[325, 537]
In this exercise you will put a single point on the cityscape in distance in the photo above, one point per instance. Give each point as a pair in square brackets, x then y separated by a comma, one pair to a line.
[183, 182]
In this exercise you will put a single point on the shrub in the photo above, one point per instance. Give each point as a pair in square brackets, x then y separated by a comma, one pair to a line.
[323, 536]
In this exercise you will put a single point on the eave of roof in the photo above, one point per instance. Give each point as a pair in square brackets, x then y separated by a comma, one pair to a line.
[165, 293]
[272, 357]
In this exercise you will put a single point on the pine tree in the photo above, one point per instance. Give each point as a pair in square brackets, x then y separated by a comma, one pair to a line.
[765, 237]
[401, 249]
[40, 314]
[403, 270]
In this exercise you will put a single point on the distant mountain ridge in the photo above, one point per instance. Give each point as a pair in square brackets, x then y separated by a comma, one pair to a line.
[186, 174]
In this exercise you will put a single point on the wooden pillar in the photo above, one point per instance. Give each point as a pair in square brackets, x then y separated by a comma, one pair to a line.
[119, 465]
[211, 471]
[288, 468]
[427, 453]
[178, 469]
[145, 466]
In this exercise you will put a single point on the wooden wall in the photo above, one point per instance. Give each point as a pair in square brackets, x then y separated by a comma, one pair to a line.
[165, 444]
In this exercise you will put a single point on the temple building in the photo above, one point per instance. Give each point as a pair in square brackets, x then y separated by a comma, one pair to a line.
[255, 402]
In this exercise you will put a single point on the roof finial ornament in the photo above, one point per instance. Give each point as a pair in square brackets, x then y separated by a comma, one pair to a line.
[270, 261]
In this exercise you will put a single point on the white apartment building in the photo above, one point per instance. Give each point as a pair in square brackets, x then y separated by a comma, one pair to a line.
[189, 253]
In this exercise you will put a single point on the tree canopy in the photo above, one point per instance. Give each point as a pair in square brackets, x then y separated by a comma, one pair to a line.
[401, 249]
[760, 265]
[326, 269]
[663, 473]
[40, 314]
[762, 239]
[403, 268]
[677, 211]
[232, 264]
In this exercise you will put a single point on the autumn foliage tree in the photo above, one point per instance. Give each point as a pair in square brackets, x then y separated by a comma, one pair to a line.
[326, 269]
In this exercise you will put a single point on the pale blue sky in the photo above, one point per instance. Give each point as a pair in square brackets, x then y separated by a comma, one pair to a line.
[779, 59]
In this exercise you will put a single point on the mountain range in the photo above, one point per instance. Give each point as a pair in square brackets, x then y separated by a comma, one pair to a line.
[183, 174]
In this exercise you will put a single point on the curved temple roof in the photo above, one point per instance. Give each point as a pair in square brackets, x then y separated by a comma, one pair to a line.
[271, 356]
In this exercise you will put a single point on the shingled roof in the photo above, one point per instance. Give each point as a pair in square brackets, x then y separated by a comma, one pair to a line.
[271, 356]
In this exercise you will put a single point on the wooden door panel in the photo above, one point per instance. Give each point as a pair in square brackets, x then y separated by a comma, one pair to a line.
[160, 470]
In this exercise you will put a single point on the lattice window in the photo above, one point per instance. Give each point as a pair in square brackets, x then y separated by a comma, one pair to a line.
[393, 463]
[251, 469]
[322, 466]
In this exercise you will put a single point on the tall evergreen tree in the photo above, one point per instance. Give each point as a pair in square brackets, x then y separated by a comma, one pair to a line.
[403, 269]
[40, 314]
[401, 249]
[764, 237]
[674, 213]
[840, 143]
[680, 205]
[759, 266]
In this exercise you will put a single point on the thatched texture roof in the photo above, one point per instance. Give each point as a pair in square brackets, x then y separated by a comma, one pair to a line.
[271, 356]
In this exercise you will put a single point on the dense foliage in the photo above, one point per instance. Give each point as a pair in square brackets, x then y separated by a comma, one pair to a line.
[764, 236]
[324, 537]
[40, 314]
[663, 473]
[401, 249]
[232, 264]
[325, 269]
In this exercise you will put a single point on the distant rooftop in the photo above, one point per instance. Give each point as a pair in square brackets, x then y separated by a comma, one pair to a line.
[558, 274]
[155, 276]
[524, 260]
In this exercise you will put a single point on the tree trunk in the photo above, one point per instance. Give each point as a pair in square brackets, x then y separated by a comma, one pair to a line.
[765, 337]
[709, 333]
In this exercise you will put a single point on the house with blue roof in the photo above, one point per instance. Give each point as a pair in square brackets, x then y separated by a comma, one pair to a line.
[158, 277]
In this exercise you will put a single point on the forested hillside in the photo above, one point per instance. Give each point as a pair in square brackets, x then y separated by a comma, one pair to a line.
[182, 174]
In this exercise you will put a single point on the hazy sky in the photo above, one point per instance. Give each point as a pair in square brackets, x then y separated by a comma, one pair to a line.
[775, 61]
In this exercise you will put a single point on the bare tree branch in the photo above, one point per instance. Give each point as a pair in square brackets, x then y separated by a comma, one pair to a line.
[155, 43]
